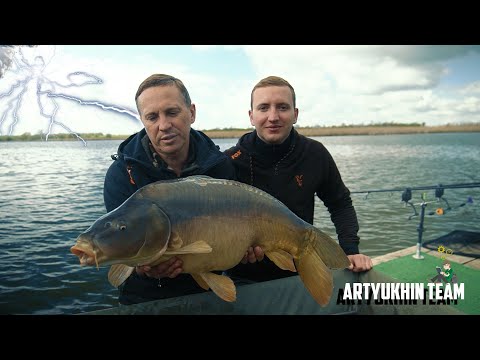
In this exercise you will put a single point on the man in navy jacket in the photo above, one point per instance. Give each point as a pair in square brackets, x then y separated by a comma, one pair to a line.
[167, 148]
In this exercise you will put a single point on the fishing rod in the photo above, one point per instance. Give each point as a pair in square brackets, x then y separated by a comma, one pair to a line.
[439, 192]
[431, 187]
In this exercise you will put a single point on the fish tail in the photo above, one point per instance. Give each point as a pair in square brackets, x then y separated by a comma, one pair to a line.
[328, 249]
[313, 262]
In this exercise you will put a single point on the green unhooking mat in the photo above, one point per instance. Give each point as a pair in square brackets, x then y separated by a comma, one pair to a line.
[408, 269]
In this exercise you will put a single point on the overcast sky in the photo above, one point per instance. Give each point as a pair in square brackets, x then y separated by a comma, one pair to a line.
[92, 88]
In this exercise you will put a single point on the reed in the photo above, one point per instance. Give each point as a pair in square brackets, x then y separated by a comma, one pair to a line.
[355, 130]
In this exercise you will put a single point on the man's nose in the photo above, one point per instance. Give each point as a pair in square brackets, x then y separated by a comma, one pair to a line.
[273, 115]
[164, 123]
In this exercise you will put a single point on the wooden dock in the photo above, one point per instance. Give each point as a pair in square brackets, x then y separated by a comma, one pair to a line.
[464, 260]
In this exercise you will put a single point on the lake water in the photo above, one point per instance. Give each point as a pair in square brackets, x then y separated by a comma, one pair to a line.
[52, 191]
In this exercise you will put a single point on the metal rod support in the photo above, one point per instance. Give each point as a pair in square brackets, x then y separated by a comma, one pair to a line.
[418, 255]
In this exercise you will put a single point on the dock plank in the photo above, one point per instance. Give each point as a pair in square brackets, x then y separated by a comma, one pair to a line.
[455, 258]
[413, 249]
[393, 255]
[474, 264]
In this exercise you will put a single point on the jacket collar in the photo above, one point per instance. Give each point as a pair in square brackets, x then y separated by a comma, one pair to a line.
[267, 153]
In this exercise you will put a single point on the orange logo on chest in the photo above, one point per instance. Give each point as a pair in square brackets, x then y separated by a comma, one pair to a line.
[299, 179]
[237, 154]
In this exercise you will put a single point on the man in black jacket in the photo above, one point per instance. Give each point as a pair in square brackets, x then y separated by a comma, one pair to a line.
[167, 148]
[292, 168]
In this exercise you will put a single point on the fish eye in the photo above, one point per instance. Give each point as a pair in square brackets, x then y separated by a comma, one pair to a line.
[108, 224]
[123, 227]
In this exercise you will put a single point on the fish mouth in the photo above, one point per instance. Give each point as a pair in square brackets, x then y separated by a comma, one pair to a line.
[85, 253]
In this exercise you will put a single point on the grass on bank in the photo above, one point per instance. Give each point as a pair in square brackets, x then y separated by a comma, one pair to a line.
[373, 129]
[376, 129]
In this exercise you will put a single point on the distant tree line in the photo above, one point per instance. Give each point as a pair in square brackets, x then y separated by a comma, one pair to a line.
[61, 137]
[343, 125]
[384, 124]
[100, 136]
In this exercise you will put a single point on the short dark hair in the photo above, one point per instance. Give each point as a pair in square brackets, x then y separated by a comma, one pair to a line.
[272, 81]
[163, 80]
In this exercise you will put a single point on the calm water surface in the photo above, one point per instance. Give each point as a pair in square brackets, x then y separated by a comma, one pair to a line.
[52, 191]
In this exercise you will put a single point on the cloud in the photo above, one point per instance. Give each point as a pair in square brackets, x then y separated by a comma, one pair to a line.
[358, 69]
[5, 58]
[470, 105]
[362, 84]
[7, 54]
[413, 55]
[334, 84]
[472, 88]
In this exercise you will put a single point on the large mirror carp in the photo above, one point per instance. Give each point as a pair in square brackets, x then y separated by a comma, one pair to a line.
[209, 223]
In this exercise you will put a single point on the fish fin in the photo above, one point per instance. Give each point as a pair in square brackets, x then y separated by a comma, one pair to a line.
[320, 253]
[282, 259]
[198, 247]
[157, 234]
[221, 285]
[315, 275]
[175, 241]
[118, 273]
[329, 250]
[203, 284]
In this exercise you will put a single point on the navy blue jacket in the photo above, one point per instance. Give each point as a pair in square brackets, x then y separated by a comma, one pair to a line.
[294, 172]
[135, 166]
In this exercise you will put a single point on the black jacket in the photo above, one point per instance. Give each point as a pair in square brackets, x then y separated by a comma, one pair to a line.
[294, 172]
[136, 166]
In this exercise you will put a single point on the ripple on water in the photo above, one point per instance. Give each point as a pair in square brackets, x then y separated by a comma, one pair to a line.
[51, 192]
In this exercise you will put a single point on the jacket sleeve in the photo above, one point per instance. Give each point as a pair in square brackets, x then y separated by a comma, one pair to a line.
[116, 187]
[344, 218]
[336, 197]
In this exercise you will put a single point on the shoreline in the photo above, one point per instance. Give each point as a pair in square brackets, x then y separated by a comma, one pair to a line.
[307, 131]
[356, 130]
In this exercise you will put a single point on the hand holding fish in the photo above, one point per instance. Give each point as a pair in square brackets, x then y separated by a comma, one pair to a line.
[170, 268]
[359, 262]
[253, 255]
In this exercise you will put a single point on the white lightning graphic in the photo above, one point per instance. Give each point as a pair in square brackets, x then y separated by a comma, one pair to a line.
[13, 60]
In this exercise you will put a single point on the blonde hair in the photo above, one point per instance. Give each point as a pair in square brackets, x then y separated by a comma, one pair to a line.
[272, 81]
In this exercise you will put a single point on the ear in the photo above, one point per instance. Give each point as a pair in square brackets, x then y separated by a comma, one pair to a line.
[295, 112]
[193, 113]
[250, 114]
